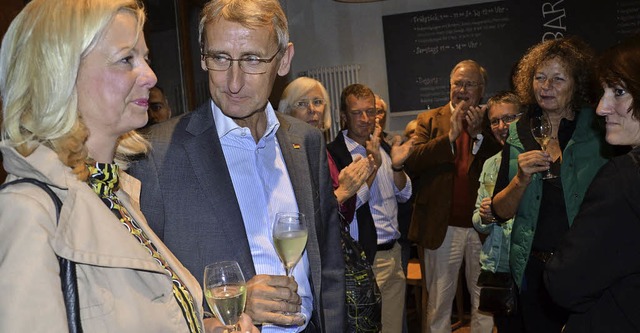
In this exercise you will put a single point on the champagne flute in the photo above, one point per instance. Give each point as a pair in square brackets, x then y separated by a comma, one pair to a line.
[490, 176]
[289, 238]
[541, 131]
[489, 182]
[225, 291]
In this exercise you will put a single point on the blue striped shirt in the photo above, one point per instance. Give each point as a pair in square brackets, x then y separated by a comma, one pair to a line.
[383, 196]
[263, 188]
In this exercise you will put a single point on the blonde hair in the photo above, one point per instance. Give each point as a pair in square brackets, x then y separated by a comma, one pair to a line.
[39, 62]
[251, 14]
[300, 87]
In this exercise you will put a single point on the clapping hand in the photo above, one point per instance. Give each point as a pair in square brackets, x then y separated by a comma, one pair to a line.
[373, 145]
[401, 151]
[474, 117]
[353, 176]
[457, 115]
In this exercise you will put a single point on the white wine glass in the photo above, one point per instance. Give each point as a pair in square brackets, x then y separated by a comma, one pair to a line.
[289, 238]
[489, 182]
[541, 130]
[490, 176]
[225, 291]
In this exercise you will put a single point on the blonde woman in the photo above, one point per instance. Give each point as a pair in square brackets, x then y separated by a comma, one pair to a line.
[75, 80]
[307, 99]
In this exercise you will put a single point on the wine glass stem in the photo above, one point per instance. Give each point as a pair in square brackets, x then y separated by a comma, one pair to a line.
[232, 328]
[548, 172]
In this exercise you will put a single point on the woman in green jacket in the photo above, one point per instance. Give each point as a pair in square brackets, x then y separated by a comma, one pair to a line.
[554, 78]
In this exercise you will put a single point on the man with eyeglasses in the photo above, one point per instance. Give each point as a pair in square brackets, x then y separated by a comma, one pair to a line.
[451, 146]
[375, 224]
[216, 177]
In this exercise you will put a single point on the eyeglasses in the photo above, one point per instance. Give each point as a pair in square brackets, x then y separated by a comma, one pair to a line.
[305, 103]
[508, 119]
[358, 113]
[249, 64]
[468, 85]
[380, 111]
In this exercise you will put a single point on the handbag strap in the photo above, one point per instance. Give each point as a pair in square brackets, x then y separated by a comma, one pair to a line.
[68, 279]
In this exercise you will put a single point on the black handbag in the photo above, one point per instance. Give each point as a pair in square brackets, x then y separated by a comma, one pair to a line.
[498, 293]
[68, 278]
[363, 298]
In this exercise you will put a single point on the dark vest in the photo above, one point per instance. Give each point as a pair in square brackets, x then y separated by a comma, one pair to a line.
[367, 236]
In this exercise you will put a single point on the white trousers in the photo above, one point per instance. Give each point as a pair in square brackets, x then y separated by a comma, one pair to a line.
[442, 267]
[387, 267]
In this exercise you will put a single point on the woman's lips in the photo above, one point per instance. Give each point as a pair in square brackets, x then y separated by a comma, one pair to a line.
[144, 102]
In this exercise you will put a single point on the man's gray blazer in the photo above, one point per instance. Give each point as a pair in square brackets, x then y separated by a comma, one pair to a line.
[189, 200]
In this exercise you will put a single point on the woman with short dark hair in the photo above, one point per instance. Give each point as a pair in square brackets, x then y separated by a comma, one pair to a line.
[595, 272]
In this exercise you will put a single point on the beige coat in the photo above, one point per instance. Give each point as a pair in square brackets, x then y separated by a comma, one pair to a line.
[121, 287]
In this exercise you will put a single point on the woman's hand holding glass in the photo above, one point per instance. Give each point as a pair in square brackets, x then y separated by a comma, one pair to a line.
[531, 162]
[485, 211]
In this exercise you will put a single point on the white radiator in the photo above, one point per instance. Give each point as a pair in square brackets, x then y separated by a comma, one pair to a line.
[334, 79]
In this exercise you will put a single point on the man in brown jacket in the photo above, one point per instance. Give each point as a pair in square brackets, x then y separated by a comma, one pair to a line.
[452, 143]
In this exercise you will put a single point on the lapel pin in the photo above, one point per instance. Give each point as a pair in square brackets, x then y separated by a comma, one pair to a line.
[296, 146]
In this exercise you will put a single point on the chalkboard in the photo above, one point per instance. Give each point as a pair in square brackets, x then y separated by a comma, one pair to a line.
[421, 48]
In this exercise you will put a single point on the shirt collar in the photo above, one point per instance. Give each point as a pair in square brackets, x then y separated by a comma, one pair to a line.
[350, 143]
[225, 125]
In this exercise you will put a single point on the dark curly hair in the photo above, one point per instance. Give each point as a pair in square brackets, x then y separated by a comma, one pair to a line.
[575, 55]
[620, 65]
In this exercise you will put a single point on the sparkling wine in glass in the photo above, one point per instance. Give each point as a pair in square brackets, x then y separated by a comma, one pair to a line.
[489, 182]
[541, 131]
[225, 291]
[289, 238]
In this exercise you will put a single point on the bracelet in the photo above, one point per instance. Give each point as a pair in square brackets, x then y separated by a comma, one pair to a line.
[400, 169]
